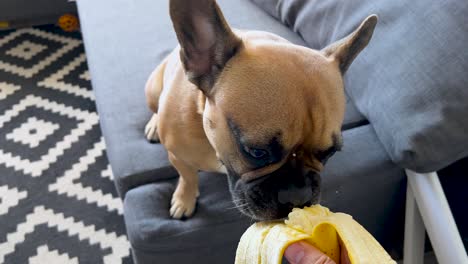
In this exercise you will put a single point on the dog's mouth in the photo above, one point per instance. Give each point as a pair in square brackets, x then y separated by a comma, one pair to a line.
[273, 196]
[254, 211]
[243, 206]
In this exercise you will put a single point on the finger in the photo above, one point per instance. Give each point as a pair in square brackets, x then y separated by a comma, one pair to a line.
[344, 257]
[303, 253]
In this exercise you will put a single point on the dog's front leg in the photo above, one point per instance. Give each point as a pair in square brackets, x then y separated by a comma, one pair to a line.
[186, 193]
[151, 129]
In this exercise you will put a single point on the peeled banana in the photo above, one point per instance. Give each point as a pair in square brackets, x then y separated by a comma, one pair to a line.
[265, 242]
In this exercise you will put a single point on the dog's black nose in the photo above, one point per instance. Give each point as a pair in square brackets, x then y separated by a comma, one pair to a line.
[296, 196]
[301, 191]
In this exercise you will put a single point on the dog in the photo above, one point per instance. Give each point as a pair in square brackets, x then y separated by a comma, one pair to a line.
[250, 104]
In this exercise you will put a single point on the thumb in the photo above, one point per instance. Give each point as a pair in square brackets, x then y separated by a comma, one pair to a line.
[303, 253]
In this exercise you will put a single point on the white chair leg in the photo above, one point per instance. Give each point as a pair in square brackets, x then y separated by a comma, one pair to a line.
[437, 217]
[413, 251]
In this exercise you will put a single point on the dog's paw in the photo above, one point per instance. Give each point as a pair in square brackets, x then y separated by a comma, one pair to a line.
[183, 203]
[151, 129]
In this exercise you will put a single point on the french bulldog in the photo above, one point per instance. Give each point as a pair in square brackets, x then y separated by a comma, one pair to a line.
[250, 104]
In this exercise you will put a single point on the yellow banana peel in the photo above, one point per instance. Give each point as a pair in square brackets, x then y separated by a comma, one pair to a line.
[265, 242]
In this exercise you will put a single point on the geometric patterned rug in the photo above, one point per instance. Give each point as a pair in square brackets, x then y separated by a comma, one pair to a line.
[57, 198]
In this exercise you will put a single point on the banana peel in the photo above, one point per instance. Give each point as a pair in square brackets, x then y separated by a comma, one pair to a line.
[265, 242]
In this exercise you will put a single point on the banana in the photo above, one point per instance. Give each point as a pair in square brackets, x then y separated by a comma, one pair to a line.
[265, 242]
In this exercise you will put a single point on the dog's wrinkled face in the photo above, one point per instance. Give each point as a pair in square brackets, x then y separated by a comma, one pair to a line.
[273, 110]
[273, 117]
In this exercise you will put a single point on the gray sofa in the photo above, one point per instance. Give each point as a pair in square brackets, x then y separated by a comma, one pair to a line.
[366, 179]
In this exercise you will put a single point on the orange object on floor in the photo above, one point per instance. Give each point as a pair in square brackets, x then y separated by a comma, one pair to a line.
[68, 23]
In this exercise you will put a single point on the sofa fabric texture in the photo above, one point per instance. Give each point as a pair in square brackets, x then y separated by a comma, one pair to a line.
[211, 234]
[411, 82]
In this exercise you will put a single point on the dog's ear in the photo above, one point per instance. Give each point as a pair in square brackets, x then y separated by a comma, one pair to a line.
[344, 51]
[206, 40]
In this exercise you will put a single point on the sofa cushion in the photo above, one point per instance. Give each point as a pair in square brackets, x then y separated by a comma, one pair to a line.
[411, 81]
[150, 227]
[368, 186]
[123, 45]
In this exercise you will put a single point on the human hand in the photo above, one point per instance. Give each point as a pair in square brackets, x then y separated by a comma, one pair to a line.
[304, 253]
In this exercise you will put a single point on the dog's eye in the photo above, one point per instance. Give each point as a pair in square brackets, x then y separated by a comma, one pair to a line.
[256, 153]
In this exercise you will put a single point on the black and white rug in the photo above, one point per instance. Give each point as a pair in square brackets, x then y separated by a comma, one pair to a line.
[57, 198]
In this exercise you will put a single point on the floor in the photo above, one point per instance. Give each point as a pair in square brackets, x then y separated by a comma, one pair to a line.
[57, 198]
